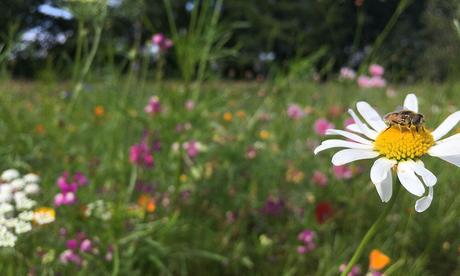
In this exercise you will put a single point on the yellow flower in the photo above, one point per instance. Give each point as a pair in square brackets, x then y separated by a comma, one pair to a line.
[44, 215]
[378, 260]
[264, 134]
[228, 117]
[183, 178]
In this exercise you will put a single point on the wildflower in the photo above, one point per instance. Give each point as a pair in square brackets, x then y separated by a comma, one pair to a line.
[154, 106]
[323, 211]
[241, 114]
[319, 178]
[44, 215]
[147, 203]
[189, 105]
[335, 111]
[378, 260]
[273, 206]
[192, 148]
[376, 70]
[342, 172]
[295, 112]
[251, 152]
[321, 125]
[39, 129]
[348, 122]
[162, 41]
[355, 271]
[264, 134]
[141, 154]
[347, 73]
[398, 149]
[99, 209]
[228, 117]
[99, 111]
[294, 175]
[364, 82]
[9, 175]
[68, 188]
[306, 237]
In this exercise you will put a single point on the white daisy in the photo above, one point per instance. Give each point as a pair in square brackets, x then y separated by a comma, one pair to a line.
[9, 175]
[396, 149]
[7, 238]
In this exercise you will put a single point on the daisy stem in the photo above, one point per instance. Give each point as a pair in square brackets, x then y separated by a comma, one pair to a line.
[372, 231]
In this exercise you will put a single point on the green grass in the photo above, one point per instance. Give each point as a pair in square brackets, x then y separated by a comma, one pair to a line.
[194, 236]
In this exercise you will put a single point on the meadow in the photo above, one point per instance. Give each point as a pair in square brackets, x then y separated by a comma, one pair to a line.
[219, 182]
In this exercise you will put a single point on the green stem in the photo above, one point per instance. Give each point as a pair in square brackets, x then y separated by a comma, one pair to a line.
[403, 4]
[132, 182]
[372, 231]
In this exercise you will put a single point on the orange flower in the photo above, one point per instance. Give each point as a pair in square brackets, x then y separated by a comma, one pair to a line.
[147, 203]
[378, 260]
[40, 129]
[99, 111]
[228, 117]
[241, 114]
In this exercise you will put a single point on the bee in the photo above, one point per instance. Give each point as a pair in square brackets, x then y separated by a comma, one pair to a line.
[405, 119]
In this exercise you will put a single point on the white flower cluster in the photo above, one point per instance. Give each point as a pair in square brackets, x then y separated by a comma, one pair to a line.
[15, 205]
[99, 209]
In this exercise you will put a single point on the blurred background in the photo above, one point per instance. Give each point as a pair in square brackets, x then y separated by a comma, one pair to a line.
[173, 137]
[414, 40]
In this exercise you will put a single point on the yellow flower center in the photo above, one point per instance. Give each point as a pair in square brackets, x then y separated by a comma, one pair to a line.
[401, 144]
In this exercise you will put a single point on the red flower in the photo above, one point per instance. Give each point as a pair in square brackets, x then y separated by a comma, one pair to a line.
[323, 211]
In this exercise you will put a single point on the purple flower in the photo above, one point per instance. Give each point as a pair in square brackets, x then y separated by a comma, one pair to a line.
[295, 112]
[355, 271]
[69, 256]
[306, 237]
[273, 206]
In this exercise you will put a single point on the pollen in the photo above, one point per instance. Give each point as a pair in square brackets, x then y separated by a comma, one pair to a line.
[402, 144]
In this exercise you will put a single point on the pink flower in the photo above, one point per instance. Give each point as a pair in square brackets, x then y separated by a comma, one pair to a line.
[251, 152]
[321, 125]
[364, 82]
[306, 237]
[376, 70]
[377, 82]
[347, 73]
[85, 245]
[319, 178]
[189, 105]
[355, 271]
[192, 148]
[342, 172]
[67, 198]
[162, 41]
[141, 155]
[153, 106]
[295, 112]
[68, 256]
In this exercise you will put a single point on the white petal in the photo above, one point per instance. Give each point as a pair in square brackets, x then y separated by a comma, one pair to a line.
[454, 159]
[450, 138]
[419, 168]
[354, 128]
[371, 116]
[446, 126]
[364, 128]
[409, 180]
[349, 135]
[349, 155]
[385, 188]
[447, 148]
[423, 203]
[411, 103]
[335, 143]
[380, 169]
